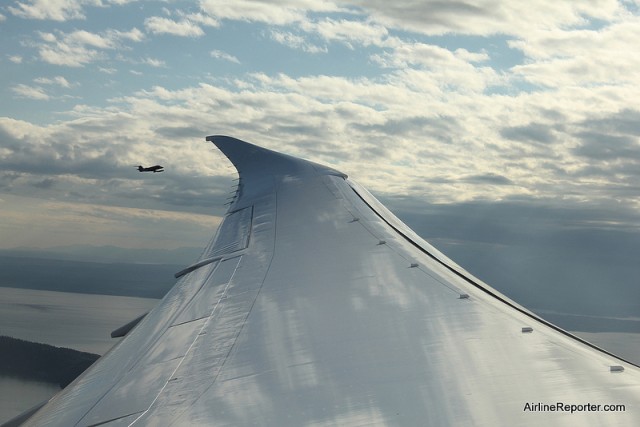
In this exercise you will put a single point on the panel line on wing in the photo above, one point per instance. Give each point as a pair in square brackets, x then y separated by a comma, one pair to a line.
[113, 419]
[223, 311]
[179, 364]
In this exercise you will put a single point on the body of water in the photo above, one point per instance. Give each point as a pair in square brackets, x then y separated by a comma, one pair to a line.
[79, 321]
[18, 395]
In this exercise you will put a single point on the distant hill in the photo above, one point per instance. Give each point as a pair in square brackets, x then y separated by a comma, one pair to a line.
[124, 279]
[42, 362]
[109, 254]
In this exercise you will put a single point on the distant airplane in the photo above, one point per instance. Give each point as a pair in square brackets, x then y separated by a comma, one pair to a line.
[154, 169]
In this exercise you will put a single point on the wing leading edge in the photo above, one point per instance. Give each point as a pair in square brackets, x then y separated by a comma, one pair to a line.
[313, 305]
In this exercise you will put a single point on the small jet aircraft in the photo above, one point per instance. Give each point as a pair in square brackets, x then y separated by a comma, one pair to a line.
[154, 169]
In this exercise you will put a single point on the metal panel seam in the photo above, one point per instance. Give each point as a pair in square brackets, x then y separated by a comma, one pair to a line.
[204, 325]
[244, 322]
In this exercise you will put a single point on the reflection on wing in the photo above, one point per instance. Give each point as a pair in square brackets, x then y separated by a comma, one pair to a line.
[314, 305]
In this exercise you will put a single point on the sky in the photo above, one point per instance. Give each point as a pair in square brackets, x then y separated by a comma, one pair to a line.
[504, 132]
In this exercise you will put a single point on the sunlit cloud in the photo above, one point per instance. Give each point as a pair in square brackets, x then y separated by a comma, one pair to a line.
[57, 80]
[184, 28]
[81, 47]
[442, 103]
[56, 10]
[218, 54]
[31, 92]
[295, 41]
[153, 62]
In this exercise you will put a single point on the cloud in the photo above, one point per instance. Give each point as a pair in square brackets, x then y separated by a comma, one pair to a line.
[2, 18]
[424, 119]
[38, 92]
[184, 28]
[218, 54]
[260, 11]
[76, 156]
[489, 179]
[533, 132]
[36, 222]
[609, 145]
[200, 18]
[81, 47]
[348, 31]
[153, 62]
[485, 17]
[56, 10]
[449, 70]
[107, 70]
[294, 41]
[529, 248]
[31, 92]
[45, 183]
[16, 59]
[58, 80]
[569, 57]
[133, 34]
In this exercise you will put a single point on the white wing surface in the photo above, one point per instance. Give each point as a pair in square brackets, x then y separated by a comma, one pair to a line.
[314, 305]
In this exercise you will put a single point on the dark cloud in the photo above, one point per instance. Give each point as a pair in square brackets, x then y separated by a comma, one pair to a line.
[488, 178]
[612, 137]
[296, 129]
[533, 132]
[183, 132]
[45, 183]
[602, 146]
[577, 258]
[440, 128]
[624, 122]
[196, 194]
[446, 14]
[46, 163]
[104, 179]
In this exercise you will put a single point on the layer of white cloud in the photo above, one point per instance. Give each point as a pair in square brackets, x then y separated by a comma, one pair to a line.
[560, 58]
[295, 41]
[440, 122]
[349, 32]
[153, 62]
[57, 80]
[35, 222]
[282, 13]
[56, 10]
[31, 92]
[183, 28]
[81, 47]
[218, 54]
[486, 17]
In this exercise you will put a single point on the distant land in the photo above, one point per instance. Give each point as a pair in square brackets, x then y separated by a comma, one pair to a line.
[109, 254]
[125, 279]
[41, 362]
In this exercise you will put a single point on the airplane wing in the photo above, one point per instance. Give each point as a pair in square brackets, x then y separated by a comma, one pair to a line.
[314, 305]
